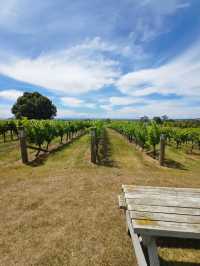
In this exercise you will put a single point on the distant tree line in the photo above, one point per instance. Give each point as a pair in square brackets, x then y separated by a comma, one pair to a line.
[165, 121]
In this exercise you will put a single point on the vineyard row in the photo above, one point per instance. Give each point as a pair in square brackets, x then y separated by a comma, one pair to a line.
[148, 135]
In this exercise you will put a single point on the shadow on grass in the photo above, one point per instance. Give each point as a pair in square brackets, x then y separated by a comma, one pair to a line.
[41, 159]
[170, 163]
[195, 153]
[152, 155]
[178, 243]
[175, 243]
[8, 140]
[177, 263]
[105, 154]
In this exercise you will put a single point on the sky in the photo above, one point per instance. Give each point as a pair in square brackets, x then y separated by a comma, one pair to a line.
[102, 58]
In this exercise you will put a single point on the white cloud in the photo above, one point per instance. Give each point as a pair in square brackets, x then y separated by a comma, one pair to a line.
[71, 101]
[98, 45]
[8, 9]
[151, 21]
[112, 102]
[124, 112]
[17, 16]
[68, 113]
[90, 105]
[123, 100]
[180, 76]
[164, 7]
[62, 113]
[10, 95]
[107, 107]
[174, 109]
[69, 72]
[76, 102]
[5, 111]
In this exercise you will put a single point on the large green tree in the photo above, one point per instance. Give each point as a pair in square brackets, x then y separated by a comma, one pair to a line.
[34, 106]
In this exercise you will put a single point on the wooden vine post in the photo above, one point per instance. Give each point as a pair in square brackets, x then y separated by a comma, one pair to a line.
[23, 146]
[93, 145]
[162, 150]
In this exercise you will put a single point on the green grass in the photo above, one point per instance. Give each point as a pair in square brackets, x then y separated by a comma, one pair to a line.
[64, 211]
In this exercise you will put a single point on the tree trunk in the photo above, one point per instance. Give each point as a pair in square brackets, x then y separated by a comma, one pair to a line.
[11, 134]
[154, 151]
[192, 147]
[47, 147]
[177, 144]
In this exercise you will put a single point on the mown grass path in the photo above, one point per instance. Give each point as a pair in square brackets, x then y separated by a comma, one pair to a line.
[65, 211]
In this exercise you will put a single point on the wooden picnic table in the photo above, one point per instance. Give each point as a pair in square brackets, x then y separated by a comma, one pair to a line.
[153, 212]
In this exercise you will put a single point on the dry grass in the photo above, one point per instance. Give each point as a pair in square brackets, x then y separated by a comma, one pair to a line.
[65, 211]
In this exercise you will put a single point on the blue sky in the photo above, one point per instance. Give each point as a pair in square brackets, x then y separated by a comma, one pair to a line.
[102, 58]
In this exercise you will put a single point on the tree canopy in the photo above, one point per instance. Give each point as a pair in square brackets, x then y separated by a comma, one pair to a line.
[34, 106]
[157, 119]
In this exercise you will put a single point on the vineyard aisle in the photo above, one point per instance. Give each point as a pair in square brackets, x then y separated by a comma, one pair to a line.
[64, 211]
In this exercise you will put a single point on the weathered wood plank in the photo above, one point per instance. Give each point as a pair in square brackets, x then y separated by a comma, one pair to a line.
[170, 201]
[178, 218]
[163, 193]
[131, 188]
[136, 242]
[168, 229]
[163, 209]
[133, 195]
[122, 202]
